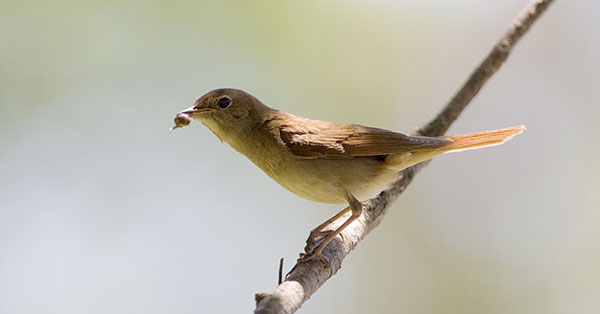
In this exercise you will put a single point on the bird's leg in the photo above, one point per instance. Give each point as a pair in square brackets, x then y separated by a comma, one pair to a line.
[355, 207]
[318, 231]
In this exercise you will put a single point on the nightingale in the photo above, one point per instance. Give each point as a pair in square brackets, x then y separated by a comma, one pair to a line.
[323, 161]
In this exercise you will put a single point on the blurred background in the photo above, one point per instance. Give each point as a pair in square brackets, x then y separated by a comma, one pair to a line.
[102, 210]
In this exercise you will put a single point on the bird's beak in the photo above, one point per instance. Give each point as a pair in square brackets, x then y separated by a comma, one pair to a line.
[196, 112]
[188, 111]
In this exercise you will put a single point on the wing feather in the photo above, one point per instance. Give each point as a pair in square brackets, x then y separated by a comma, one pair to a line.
[320, 139]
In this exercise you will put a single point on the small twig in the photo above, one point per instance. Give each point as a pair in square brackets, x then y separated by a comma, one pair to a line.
[280, 277]
[308, 276]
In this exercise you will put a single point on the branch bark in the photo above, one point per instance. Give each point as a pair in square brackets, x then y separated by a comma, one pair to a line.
[306, 277]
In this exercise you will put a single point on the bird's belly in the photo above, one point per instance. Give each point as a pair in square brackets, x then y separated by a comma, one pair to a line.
[325, 180]
[315, 189]
[322, 180]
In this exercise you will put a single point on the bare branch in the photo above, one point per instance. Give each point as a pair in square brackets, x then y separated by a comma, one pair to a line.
[306, 277]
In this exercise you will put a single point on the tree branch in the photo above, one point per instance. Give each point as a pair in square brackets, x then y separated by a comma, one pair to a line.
[306, 277]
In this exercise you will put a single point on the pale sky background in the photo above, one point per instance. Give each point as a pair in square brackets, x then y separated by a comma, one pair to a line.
[102, 210]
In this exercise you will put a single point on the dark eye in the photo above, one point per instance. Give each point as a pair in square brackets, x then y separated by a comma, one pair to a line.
[224, 102]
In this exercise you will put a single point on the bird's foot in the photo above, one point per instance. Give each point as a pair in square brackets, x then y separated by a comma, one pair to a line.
[315, 239]
[315, 254]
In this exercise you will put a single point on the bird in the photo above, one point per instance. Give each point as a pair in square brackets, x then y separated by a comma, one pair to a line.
[323, 161]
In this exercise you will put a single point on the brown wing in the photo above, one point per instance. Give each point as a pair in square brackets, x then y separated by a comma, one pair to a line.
[320, 139]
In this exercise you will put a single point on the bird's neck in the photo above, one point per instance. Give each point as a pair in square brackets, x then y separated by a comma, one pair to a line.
[260, 144]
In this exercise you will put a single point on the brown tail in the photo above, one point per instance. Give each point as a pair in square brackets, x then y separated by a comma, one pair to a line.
[483, 139]
[458, 143]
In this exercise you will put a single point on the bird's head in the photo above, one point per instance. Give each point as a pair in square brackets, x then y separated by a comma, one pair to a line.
[227, 112]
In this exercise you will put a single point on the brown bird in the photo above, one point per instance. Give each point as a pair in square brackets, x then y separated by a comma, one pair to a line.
[323, 161]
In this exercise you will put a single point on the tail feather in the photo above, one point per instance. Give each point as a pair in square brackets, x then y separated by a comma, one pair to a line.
[457, 143]
[483, 139]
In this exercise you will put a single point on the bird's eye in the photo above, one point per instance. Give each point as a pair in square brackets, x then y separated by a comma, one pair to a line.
[224, 102]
